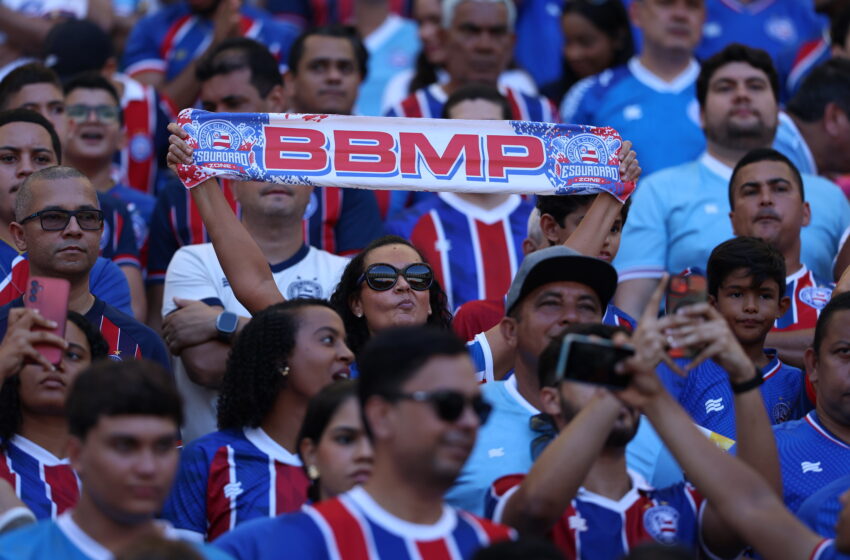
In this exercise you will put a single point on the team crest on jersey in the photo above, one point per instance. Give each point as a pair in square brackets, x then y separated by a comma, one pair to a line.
[815, 297]
[781, 412]
[662, 524]
[304, 289]
[115, 356]
[219, 135]
[105, 236]
[781, 29]
[140, 147]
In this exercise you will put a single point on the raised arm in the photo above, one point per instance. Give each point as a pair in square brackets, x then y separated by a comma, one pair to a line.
[240, 257]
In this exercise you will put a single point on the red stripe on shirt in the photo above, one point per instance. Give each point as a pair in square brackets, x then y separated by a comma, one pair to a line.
[290, 487]
[434, 550]
[496, 262]
[64, 489]
[175, 29]
[112, 334]
[331, 210]
[347, 532]
[410, 107]
[218, 505]
[425, 237]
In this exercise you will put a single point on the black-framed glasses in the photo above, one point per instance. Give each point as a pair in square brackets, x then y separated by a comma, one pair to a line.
[448, 404]
[382, 277]
[58, 220]
[103, 113]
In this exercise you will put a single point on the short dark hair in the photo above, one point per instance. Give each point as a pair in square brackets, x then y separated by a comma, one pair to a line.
[27, 115]
[840, 27]
[335, 30]
[94, 80]
[24, 196]
[477, 91]
[320, 410]
[393, 356]
[764, 154]
[736, 52]
[115, 388]
[548, 361]
[10, 402]
[238, 53]
[252, 379]
[827, 83]
[761, 261]
[561, 206]
[28, 74]
[840, 302]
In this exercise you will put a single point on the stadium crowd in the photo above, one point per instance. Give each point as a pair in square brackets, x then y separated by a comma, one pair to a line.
[256, 370]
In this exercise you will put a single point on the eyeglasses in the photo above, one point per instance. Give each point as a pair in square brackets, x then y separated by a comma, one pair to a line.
[449, 405]
[103, 113]
[382, 277]
[58, 220]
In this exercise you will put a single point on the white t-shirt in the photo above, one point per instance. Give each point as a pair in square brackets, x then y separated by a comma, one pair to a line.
[194, 273]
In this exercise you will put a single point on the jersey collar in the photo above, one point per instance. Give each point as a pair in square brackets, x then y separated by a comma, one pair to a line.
[510, 386]
[716, 166]
[681, 82]
[270, 447]
[357, 500]
[814, 422]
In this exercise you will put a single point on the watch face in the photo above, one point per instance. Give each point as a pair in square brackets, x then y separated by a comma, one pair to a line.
[227, 322]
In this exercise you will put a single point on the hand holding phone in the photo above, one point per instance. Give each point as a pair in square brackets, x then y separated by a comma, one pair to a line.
[592, 360]
[684, 290]
[49, 296]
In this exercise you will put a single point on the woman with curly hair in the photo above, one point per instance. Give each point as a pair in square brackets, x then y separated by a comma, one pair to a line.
[333, 444]
[249, 467]
[33, 425]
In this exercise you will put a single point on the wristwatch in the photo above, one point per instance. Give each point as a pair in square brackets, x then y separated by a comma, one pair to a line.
[226, 324]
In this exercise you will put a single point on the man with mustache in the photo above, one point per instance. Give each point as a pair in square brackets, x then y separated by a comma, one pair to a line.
[677, 216]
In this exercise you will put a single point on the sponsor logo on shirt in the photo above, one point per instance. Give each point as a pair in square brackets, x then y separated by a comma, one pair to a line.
[496, 452]
[577, 523]
[232, 490]
[714, 405]
[810, 467]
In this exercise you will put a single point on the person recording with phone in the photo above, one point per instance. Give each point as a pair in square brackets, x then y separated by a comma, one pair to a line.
[579, 492]
[745, 296]
[33, 423]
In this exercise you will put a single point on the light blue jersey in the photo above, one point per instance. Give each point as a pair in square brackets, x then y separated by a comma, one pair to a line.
[790, 142]
[636, 102]
[63, 538]
[504, 447]
[392, 47]
[680, 214]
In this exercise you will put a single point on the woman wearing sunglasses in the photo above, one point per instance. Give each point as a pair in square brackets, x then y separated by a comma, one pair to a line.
[249, 468]
[33, 424]
[333, 444]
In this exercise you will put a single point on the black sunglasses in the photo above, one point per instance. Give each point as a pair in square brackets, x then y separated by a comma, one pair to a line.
[382, 277]
[449, 404]
[58, 220]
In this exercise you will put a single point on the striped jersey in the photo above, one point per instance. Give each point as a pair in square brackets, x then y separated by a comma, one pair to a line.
[337, 220]
[42, 481]
[707, 395]
[428, 103]
[806, 58]
[810, 456]
[170, 38]
[127, 338]
[354, 526]
[594, 527]
[232, 476]
[809, 295]
[475, 252]
[827, 550]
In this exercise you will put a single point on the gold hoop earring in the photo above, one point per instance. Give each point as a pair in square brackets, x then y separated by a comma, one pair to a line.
[312, 472]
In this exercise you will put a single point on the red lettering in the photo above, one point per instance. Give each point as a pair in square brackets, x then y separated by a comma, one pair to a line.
[412, 144]
[282, 141]
[360, 151]
[530, 154]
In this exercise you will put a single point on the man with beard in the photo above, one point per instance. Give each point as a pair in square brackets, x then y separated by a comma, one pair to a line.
[422, 408]
[579, 492]
[164, 46]
[677, 217]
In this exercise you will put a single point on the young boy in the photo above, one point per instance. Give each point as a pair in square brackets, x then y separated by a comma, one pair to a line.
[746, 284]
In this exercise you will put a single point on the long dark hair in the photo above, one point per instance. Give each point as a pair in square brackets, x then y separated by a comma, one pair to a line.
[320, 410]
[348, 287]
[261, 351]
[10, 396]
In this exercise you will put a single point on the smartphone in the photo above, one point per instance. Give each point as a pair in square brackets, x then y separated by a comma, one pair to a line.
[684, 290]
[49, 296]
[592, 360]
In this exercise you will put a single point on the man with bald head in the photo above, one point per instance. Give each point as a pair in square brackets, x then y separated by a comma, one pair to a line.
[58, 222]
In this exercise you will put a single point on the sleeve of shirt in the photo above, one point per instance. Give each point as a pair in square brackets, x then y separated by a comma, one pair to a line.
[359, 223]
[497, 497]
[643, 250]
[575, 107]
[186, 507]
[125, 247]
[188, 277]
[107, 282]
[163, 241]
[293, 535]
[141, 53]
